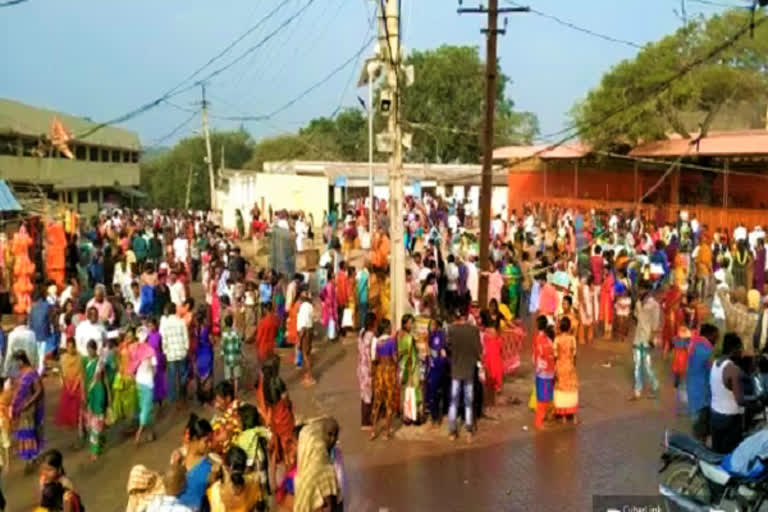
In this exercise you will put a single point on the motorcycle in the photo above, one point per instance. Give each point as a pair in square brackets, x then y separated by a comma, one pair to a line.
[694, 480]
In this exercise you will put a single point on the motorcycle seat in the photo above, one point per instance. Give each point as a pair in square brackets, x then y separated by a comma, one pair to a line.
[687, 444]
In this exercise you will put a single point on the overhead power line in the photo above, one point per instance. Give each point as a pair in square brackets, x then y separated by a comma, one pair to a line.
[12, 2]
[721, 4]
[304, 93]
[653, 92]
[176, 130]
[578, 28]
[177, 90]
[234, 43]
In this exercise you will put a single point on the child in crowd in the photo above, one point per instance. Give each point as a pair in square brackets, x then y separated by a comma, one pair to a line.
[232, 353]
[623, 308]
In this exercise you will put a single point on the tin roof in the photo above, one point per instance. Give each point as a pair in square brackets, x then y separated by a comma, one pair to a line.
[8, 202]
[20, 119]
[543, 151]
[743, 142]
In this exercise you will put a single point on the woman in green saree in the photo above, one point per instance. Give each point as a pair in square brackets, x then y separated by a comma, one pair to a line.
[95, 400]
[513, 277]
[410, 371]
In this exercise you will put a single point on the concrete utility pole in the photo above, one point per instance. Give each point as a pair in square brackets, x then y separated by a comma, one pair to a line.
[189, 186]
[209, 157]
[486, 187]
[389, 30]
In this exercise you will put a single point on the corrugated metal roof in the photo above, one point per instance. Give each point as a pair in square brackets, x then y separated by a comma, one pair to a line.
[745, 142]
[542, 151]
[8, 202]
[21, 119]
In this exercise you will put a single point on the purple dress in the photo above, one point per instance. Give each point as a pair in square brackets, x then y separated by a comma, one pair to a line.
[759, 270]
[204, 354]
[161, 381]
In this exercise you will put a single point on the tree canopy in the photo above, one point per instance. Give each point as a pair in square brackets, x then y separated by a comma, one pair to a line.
[734, 76]
[443, 110]
[444, 107]
[165, 177]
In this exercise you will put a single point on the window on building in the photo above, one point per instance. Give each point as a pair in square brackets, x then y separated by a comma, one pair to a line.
[8, 145]
[82, 196]
[93, 154]
[104, 155]
[81, 152]
[115, 155]
[126, 156]
[135, 157]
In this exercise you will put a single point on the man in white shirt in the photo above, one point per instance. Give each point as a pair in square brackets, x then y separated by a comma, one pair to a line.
[740, 233]
[175, 338]
[90, 329]
[304, 324]
[497, 227]
[20, 338]
[176, 290]
[452, 286]
[301, 233]
[453, 223]
[472, 278]
[181, 249]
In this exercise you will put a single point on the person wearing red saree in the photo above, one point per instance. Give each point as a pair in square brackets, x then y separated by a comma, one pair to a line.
[72, 387]
[606, 303]
[343, 292]
[266, 333]
[492, 360]
[215, 303]
[673, 315]
[276, 408]
[544, 368]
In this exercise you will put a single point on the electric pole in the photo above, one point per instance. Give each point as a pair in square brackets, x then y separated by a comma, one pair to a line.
[189, 186]
[389, 30]
[486, 142]
[209, 157]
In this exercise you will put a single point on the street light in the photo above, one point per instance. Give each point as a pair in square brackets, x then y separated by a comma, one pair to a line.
[368, 75]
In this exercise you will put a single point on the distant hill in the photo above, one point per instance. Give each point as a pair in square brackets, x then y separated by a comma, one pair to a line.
[152, 153]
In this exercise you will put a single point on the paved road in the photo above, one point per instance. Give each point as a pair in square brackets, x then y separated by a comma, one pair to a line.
[614, 451]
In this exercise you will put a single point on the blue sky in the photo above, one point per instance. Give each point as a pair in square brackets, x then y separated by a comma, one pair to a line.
[102, 58]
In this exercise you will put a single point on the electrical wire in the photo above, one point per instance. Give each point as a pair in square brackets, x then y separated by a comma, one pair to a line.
[176, 91]
[234, 43]
[255, 47]
[720, 4]
[304, 93]
[578, 28]
[9, 3]
[352, 74]
[249, 68]
[662, 87]
[311, 40]
[157, 142]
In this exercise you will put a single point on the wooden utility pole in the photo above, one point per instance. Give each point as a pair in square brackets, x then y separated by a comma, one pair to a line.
[486, 187]
[209, 155]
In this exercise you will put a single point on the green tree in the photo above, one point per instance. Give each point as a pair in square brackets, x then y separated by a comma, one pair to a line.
[165, 177]
[444, 108]
[737, 75]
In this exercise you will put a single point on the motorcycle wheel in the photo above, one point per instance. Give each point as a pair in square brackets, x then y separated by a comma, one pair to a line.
[680, 478]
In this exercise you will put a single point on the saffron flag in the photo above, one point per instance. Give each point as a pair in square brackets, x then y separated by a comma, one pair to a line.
[60, 137]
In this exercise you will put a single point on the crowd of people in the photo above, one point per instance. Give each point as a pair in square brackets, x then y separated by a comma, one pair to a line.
[561, 278]
[127, 341]
[122, 332]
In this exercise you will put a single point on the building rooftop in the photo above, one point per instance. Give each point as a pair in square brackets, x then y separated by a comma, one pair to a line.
[543, 151]
[451, 174]
[20, 119]
[742, 142]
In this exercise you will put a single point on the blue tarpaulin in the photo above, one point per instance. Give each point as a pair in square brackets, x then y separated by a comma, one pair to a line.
[8, 202]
